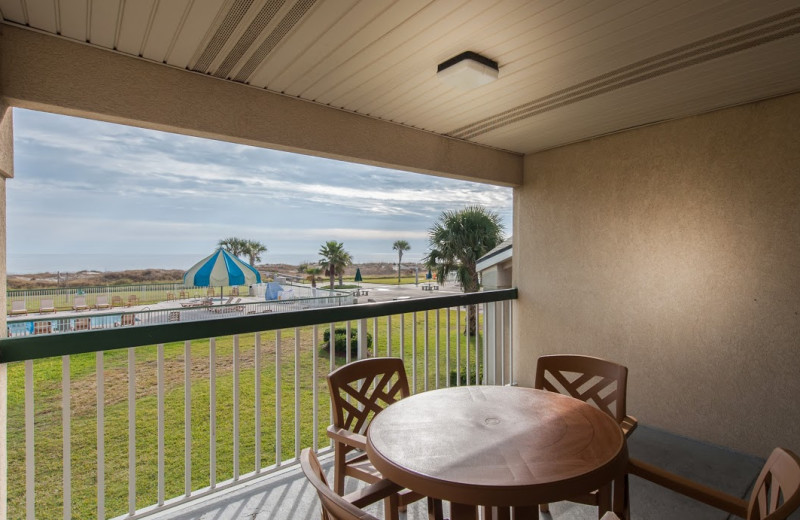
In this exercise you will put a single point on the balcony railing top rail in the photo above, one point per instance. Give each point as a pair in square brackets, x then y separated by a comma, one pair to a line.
[43, 346]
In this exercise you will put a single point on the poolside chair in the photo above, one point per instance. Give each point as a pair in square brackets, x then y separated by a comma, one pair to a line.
[18, 308]
[170, 296]
[101, 302]
[598, 382]
[210, 292]
[132, 300]
[775, 495]
[42, 327]
[336, 507]
[46, 305]
[358, 391]
[79, 303]
[235, 291]
[116, 301]
[183, 295]
[83, 324]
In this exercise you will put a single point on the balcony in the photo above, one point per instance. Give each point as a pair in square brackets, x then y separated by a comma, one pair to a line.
[131, 422]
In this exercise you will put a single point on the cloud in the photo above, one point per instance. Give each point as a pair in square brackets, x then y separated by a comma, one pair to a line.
[89, 186]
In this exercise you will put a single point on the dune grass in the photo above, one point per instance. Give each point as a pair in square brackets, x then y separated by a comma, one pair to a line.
[83, 388]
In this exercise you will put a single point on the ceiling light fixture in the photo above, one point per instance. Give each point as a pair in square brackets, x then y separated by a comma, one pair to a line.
[468, 70]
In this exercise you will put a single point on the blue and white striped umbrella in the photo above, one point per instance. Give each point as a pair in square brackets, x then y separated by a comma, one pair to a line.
[221, 268]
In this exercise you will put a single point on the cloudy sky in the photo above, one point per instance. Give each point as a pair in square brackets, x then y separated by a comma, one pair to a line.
[94, 195]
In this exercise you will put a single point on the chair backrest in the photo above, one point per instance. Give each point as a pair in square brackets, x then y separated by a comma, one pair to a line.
[334, 507]
[116, 300]
[102, 299]
[776, 493]
[79, 301]
[593, 380]
[46, 303]
[370, 385]
[17, 305]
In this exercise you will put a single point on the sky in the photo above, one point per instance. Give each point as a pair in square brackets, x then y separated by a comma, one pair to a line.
[93, 195]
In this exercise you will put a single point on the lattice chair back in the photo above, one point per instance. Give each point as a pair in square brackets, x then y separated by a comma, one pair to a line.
[334, 507]
[596, 381]
[363, 388]
[776, 494]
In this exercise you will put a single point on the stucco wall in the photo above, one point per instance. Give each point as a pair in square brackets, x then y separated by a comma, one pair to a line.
[675, 250]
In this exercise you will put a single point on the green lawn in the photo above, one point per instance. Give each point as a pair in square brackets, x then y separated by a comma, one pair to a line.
[48, 429]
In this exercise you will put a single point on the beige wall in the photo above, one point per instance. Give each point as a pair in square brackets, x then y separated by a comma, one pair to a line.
[675, 250]
[43, 72]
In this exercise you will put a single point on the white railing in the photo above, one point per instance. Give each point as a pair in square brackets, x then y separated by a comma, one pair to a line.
[142, 427]
[83, 321]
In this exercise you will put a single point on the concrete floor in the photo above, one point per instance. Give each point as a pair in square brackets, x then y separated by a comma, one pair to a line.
[288, 496]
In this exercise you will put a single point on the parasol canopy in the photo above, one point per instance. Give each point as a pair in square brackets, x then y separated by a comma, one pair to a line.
[221, 268]
[358, 275]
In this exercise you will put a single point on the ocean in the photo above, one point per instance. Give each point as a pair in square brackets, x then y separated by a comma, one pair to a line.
[42, 263]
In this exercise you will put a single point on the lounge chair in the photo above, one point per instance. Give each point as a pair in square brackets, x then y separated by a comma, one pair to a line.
[18, 307]
[79, 303]
[101, 302]
[235, 291]
[83, 324]
[42, 327]
[183, 295]
[210, 292]
[133, 300]
[46, 305]
[116, 301]
[170, 296]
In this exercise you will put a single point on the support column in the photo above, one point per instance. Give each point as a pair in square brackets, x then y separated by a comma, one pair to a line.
[6, 172]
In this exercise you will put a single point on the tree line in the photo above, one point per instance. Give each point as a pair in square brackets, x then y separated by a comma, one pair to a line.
[456, 241]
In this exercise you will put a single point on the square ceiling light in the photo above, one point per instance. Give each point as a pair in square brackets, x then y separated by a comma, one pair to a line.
[468, 70]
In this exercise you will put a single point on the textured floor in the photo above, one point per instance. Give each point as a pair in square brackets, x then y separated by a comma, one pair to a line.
[288, 496]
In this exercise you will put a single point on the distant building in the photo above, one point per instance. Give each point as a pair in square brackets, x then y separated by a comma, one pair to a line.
[494, 267]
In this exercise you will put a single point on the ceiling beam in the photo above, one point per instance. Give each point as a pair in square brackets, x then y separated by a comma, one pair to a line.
[53, 74]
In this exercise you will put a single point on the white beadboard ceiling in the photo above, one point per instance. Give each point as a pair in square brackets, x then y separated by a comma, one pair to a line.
[569, 69]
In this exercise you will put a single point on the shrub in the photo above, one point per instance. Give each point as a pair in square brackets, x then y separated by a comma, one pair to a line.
[341, 342]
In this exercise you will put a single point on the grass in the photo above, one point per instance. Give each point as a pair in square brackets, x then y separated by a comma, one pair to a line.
[48, 429]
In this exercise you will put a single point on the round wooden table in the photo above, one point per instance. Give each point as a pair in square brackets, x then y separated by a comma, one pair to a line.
[496, 446]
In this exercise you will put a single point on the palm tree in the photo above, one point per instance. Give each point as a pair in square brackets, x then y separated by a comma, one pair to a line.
[312, 273]
[253, 249]
[457, 240]
[331, 256]
[400, 246]
[233, 245]
[345, 259]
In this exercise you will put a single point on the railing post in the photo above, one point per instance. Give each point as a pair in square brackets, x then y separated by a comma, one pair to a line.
[362, 338]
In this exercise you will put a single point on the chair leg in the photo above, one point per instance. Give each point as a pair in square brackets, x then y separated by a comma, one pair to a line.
[603, 500]
[390, 507]
[338, 469]
[622, 503]
[435, 509]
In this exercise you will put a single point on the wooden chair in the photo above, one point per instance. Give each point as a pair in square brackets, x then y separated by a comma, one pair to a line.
[595, 381]
[116, 301]
[358, 392]
[235, 291]
[336, 507]
[170, 296]
[133, 300]
[210, 292]
[182, 295]
[83, 324]
[101, 302]
[42, 327]
[775, 496]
